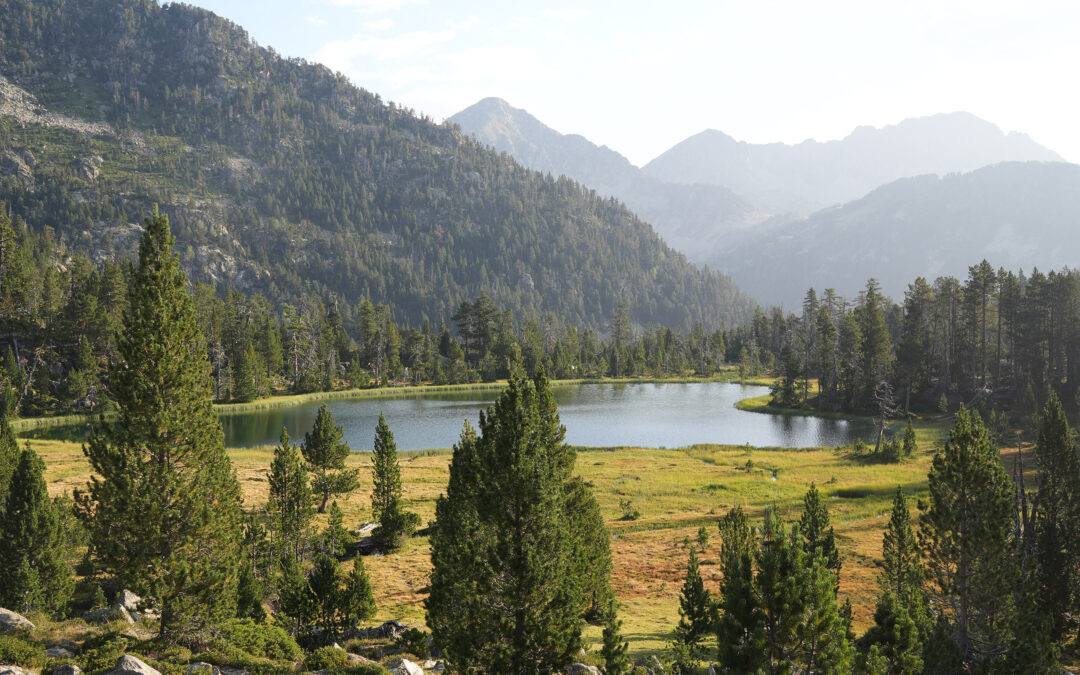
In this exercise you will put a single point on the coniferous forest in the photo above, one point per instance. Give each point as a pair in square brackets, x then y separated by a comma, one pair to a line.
[190, 219]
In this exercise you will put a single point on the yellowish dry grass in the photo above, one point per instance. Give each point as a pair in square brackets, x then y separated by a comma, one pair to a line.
[676, 490]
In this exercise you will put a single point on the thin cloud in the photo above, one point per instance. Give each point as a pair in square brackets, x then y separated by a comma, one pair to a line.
[316, 21]
[385, 23]
[376, 6]
[340, 54]
[565, 14]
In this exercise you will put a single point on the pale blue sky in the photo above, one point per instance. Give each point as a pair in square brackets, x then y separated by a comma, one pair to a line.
[641, 76]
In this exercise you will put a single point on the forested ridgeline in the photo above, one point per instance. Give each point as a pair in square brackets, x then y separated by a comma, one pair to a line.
[59, 313]
[998, 339]
[283, 178]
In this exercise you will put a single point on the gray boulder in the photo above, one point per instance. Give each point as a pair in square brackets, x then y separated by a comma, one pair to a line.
[127, 600]
[357, 660]
[129, 665]
[12, 670]
[404, 667]
[58, 653]
[66, 669]
[582, 669]
[203, 668]
[107, 614]
[11, 622]
[651, 664]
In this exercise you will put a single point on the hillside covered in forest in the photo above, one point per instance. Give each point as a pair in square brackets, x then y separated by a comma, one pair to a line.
[281, 177]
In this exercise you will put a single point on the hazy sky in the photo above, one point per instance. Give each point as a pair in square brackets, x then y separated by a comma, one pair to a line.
[641, 76]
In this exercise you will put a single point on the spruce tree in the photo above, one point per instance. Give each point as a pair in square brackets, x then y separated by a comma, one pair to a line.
[965, 537]
[32, 543]
[502, 598]
[386, 504]
[817, 532]
[163, 506]
[290, 504]
[325, 453]
[695, 608]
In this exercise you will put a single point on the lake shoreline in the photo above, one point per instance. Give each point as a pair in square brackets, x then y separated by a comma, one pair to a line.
[23, 424]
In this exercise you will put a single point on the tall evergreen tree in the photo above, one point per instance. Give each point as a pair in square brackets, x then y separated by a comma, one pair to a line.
[360, 599]
[9, 459]
[613, 650]
[502, 597]
[696, 618]
[32, 543]
[290, 504]
[819, 536]
[902, 572]
[1057, 518]
[965, 537]
[386, 504]
[164, 505]
[325, 453]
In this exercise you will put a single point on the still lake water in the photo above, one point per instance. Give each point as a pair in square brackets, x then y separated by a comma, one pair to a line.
[639, 415]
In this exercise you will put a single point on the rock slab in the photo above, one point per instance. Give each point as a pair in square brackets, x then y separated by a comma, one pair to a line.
[404, 667]
[129, 665]
[11, 622]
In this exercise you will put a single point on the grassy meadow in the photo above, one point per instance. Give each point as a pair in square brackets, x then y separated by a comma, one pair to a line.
[676, 491]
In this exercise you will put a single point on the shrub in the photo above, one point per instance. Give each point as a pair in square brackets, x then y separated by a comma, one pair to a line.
[413, 641]
[101, 652]
[260, 640]
[19, 652]
[629, 511]
[325, 658]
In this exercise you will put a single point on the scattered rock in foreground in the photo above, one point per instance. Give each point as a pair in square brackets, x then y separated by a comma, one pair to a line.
[582, 669]
[66, 669]
[129, 665]
[12, 670]
[390, 630]
[58, 653]
[404, 667]
[203, 668]
[107, 614]
[11, 621]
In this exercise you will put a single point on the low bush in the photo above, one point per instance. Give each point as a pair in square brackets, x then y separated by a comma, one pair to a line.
[18, 652]
[325, 658]
[260, 640]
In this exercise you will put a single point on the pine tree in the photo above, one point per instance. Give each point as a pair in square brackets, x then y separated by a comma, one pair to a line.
[32, 543]
[163, 506]
[1057, 518]
[295, 601]
[361, 600]
[394, 523]
[325, 453]
[290, 504]
[502, 598]
[249, 596]
[9, 459]
[902, 572]
[336, 538]
[245, 388]
[330, 603]
[965, 537]
[614, 649]
[817, 532]
[591, 564]
[896, 635]
[695, 608]
[910, 447]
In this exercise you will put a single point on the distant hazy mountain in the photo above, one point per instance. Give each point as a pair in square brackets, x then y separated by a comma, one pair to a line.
[1015, 215]
[691, 218]
[811, 175]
